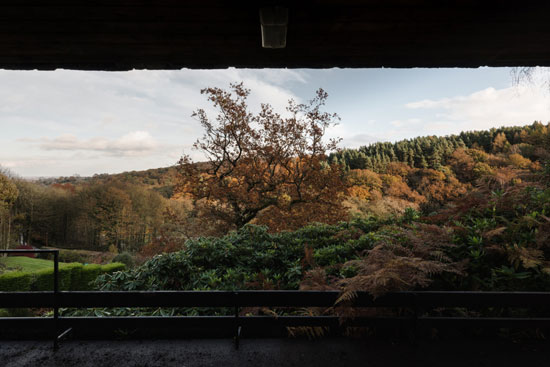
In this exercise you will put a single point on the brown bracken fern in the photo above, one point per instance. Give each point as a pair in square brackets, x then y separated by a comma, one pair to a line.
[407, 258]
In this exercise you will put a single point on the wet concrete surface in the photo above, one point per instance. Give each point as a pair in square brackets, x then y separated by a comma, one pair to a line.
[273, 352]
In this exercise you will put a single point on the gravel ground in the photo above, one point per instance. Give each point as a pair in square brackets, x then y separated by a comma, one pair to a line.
[272, 352]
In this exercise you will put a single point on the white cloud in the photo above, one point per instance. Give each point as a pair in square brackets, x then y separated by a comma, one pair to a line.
[28, 162]
[359, 140]
[64, 122]
[488, 108]
[132, 144]
[73, 100]
[351, 138]
[119, 115]
[404, 123]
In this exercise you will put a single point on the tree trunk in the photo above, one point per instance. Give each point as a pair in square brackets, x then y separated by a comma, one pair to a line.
[29, 232]
[9, 232]
[2, 232]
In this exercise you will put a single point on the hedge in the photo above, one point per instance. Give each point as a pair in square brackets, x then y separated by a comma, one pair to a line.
[111, 268]
[43, 279]
[15, 281]
[89, 273]
[76, 273]
[73, 276]
[69, 256]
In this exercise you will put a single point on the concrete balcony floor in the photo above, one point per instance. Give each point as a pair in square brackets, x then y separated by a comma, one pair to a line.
[274, 352]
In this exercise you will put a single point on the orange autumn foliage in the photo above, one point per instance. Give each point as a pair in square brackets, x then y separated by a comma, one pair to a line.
[264, 168]
[364, 184]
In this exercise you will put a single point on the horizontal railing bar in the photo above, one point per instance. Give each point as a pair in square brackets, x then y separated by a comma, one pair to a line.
[158, 322]
[179, 299]
[278, 298]
[485, 322]
[190, 321]
[473, 299]
[20, 251]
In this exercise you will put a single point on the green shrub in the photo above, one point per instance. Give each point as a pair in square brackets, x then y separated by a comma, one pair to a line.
[16, 312]
[249, 258]
[69, 276]
[16, 281]
[334, 254]
[126, 258]
[74, 276]
[44, 279]
[88, 274]
[45, 256]
[72, 256]
[68, 256]
[111, 268]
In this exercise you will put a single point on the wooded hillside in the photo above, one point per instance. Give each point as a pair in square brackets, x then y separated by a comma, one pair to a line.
[142, 211]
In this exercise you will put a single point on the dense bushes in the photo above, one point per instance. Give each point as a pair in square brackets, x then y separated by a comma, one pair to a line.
[15, 281]
[72, 256]
[44, 279]
[495, 238]
[504, 237]
[126, 258]
[249, 258]
[74, 276]
[80, 256]
[90, 273]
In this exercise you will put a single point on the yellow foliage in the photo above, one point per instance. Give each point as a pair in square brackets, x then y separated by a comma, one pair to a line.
[398, 169]
[284, 200]
[517, 160]
[363, 184]
[396, 187]
[482, 169]
[359, 192]
[364, 177]
[500, 143]
[477, 155]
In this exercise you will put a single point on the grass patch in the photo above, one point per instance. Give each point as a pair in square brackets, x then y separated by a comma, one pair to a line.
[27, 274]
[26, 264]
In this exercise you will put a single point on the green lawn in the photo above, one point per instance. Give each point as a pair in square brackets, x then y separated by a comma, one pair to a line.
[23, 263]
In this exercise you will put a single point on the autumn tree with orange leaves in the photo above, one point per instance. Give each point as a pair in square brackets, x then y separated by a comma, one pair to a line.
[264, 168]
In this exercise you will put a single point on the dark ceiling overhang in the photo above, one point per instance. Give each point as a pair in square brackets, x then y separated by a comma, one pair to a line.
[174, 34]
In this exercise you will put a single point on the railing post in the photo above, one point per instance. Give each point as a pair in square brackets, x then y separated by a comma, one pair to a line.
[237, 326]
[417, 311]
[55, 299]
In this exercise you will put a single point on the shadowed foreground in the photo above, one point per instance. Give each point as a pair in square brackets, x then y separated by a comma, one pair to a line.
[274, 352]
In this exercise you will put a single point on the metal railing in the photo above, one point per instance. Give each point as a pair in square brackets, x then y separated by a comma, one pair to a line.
[54, 294]
[416, 305]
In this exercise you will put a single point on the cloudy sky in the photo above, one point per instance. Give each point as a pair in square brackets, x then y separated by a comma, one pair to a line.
[60, 123]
